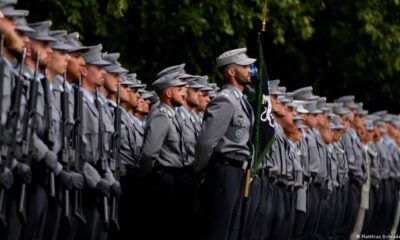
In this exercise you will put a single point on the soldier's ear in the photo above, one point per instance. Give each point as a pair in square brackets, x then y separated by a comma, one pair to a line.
[84, 72]
[230, 71]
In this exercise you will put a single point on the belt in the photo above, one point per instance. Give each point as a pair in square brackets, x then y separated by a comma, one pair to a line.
[234, 163]
[174, 169]
[234, 156]
[233, 159]
[289, 188]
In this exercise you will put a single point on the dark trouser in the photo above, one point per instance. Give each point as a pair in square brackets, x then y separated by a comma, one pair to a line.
[69, 229]
[37, 204]
[369, 226]
[14, 227]
[352, 207]
[170, 204]
[94, 228]
[283, 214]
[313, 212]
[388, 207]
[259, 209]
[222, 202]
[53, 218]
[343, 201]
[130, 212]
[324, 217]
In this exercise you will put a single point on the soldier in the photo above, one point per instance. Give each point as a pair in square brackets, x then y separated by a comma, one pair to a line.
[46, 130]
[96, 169]
[276, 165]
[70, 85]
[55, 69]
[226, 149]
[354, 154]
[11, 116]
[311, 160]
[162, 161]
[129, 156]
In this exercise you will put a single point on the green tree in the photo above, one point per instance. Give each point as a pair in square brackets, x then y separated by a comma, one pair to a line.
[338, 46]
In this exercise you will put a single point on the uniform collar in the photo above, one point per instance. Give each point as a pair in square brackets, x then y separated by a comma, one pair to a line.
[170, 110]
[234, 90]
[111, 102]
[134, 118]
[184, 111]
[87, 95]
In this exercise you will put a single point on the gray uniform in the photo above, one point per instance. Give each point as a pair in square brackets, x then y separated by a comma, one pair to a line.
[139, 131]
[162, 144]
[343, 165]
[313, 154]
[129, 151]
[384, 157]
[276, 164]
[322, 176]
[216, 136]
[189, 131]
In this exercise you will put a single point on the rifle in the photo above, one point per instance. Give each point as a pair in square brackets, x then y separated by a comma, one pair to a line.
[115, 160]
[49, 137]
[29, 125]
[13, 117]
[65, 144]
[77, 146]
[102, 159]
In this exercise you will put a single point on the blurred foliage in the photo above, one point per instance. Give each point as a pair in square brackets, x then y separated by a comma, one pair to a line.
[338, 46]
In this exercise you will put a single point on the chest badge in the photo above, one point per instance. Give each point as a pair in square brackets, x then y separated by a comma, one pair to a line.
[239, 133]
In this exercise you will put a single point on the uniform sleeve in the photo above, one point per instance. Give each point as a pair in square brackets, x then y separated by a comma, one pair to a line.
[156, 132]
[215, 123]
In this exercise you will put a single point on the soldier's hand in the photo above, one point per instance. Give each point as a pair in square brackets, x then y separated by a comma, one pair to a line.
[77, 180]
[103, 187]
[6, 179]
[50, 159]
[23, 172]
[65, 179]
[115, 189]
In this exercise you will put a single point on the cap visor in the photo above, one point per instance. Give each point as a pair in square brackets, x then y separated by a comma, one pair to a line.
[15, 13]
[246, 61]
[44, 39]
[99, 63]
[61, 46]
[24, 29]
[79, 49]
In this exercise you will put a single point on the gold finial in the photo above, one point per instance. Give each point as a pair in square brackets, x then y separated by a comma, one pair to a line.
[264, 16]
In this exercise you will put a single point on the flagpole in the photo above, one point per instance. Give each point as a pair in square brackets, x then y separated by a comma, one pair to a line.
[248, 172]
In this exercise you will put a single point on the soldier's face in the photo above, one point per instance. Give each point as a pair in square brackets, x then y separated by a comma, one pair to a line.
[124, 93]
[59, 61]
[95, 75]
[204, 100]
[336, 133]
[178, 95]
[75, 66]
[310, 119]
[111, 81]
[25, 43]
[351, 114]
[192, 98]
[134, 97]
[44, 49]
[242, 74]
[290, 113]
[145, 106]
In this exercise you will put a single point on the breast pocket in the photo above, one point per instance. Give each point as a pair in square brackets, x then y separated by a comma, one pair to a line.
[239, 127]
[173, 136]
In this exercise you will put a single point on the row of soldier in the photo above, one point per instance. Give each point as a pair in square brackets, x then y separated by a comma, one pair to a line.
[88, 153]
